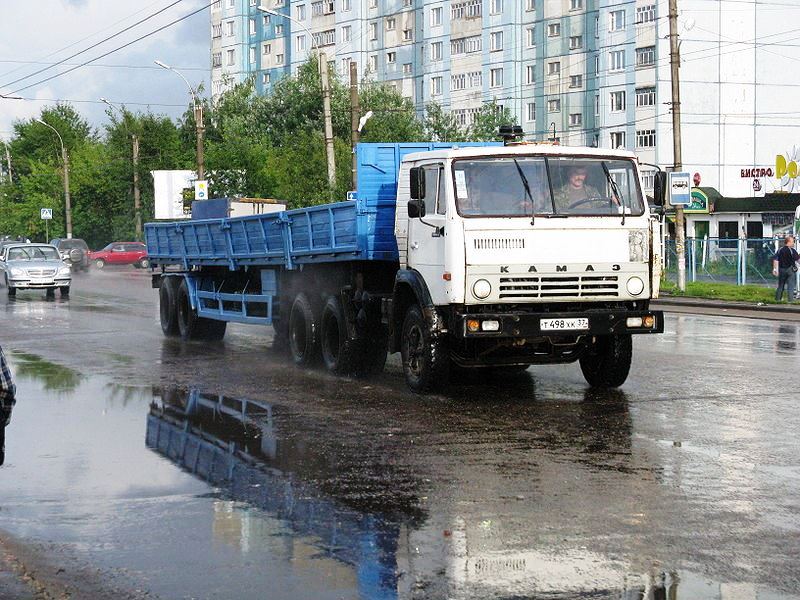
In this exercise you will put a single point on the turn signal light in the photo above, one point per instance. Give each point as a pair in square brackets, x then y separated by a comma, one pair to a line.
[649, 321]
[473, 325]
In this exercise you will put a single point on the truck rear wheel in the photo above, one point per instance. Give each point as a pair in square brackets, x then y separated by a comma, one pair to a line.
[607, 361]
[304, 326]
[168, 305]
[340, 355]
[193, 327]
[426, 361]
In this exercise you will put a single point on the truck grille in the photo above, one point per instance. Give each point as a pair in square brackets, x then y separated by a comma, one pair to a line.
[41, 272]
[499, 243]
[555, 286]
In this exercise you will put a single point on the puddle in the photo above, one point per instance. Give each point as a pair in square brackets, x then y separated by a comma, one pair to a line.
[191, 494]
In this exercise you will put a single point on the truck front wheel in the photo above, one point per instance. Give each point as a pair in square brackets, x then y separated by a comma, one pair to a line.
[304, 325]
[607, 361]
[426, 361]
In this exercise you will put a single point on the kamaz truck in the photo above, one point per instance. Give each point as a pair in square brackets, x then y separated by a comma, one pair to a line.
[460, 256]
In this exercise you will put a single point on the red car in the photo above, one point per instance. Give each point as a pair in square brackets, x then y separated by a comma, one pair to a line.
[121, 253]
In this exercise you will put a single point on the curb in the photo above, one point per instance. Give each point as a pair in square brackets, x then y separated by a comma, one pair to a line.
[719, 304]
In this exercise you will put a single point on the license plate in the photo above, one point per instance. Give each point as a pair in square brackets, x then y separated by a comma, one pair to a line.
[565, 324]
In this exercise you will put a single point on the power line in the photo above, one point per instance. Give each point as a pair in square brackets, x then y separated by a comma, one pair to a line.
[140, 38]
[111, 37]
[104, 65]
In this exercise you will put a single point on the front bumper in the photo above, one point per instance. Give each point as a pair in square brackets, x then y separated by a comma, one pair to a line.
[23, 283]
[528, 325]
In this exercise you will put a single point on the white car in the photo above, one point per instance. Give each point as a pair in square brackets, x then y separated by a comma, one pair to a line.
[34, 266]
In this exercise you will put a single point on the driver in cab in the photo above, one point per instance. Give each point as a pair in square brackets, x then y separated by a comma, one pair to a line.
[576, 194]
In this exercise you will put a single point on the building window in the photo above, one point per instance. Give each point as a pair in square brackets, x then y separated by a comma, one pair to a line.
[554, 106]
[530, 112]
[553, 29]
[616, 60]
[617, 101]
[347, 5]
[266, 49]
[617, 139]
[265, 78]
[216, 59]
[252, 55]
[530, 74]
[575, 42]
[575, 4]
[347, 33]
[575, 119]
[458, 82]
[436, 86]
[597, 105]
[496, 78]
[648, 179]
[373, 31]
[646, 14]
[467, 10]
[475, 79]
[646, 138]
[391, 23]
[217, 5]
[265, 20]
[617, 20]
[300, 12]
[278, 29]
[391, 57]
[496, 40]
[530, 5]
[407, 35]
[646, 57]
[436, 16]
[466, 45]
[216, 30]
[231, 54]
[279, 59]
[252, 26]
[373, 63]
[554, 68]
[530, 38]
[325, 38]
[373, 3]
[407, 69]
[229, 28]
[495, 7]
[436, 51]
[300, 43]
[646, 96]
[576, 81]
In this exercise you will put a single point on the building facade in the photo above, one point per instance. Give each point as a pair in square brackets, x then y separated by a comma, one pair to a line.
[587, 72]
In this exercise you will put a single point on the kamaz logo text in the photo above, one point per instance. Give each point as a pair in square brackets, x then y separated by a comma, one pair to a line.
[559, 268]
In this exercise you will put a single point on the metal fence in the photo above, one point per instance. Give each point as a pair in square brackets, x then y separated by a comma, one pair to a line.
[728, 260]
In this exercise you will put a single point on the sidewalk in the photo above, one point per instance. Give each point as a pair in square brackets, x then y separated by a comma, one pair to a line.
[788, 312]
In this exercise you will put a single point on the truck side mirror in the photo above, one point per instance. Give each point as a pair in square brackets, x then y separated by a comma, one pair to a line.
[416, 208]
[417, 175]
[659, 188]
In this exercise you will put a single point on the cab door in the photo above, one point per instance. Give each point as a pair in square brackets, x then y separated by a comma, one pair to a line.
[426, 235]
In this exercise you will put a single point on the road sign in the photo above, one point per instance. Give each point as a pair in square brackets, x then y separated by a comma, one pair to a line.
[47, 214]
[352, 196]
[680, 189]
[201, 189]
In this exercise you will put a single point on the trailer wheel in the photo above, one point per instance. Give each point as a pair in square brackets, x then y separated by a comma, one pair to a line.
[607, 361]
[426, 361]
[192, 327]
[304, 325]
[340, 355]
[168, 305]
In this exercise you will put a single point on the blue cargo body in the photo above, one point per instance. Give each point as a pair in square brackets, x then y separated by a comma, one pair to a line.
[356, 230]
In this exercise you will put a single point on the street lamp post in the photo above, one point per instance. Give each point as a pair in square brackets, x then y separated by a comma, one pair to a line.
[198, 120]
[326, 96]
[137, 201]
[65, 159]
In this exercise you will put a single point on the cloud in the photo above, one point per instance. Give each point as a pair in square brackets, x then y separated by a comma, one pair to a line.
[50, 30]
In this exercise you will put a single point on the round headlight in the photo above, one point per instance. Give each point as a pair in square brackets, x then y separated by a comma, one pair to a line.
[481, 289]
[635, 286]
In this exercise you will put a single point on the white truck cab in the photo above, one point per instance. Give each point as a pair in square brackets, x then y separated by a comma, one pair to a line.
[531, 253]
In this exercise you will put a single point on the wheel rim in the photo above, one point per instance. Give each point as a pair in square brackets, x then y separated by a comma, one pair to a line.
[414, 345]
[99, 264]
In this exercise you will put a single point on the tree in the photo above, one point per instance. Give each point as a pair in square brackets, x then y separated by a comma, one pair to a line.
[441, 126]
[488, 120]
[394, 117]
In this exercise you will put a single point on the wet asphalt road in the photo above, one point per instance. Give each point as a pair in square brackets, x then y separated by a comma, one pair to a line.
[143, 467]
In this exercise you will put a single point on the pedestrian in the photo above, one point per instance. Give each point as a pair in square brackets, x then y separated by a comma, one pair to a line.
[784, 266]
[7, 399]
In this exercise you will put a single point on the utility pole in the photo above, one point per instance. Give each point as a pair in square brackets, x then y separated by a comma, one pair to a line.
[67, 202]
[355, 111]
[326, 108]
[675, 63]
[137, 199]
[198, 121]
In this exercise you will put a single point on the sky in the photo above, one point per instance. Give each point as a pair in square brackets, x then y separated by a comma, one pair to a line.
[47, 31]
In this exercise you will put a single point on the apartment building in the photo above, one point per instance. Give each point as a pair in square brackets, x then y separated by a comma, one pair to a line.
[587, 72]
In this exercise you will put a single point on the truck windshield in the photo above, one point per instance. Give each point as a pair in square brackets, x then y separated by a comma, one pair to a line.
[495, 187]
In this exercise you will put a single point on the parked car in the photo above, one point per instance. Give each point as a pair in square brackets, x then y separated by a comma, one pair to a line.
[121, 253]
[74, 252]
[34, 266]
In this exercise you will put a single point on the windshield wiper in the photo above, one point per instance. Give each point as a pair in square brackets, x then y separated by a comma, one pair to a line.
[614, 190]
[527, 191]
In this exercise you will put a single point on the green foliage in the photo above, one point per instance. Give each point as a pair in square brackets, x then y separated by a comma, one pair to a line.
[441, 126]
